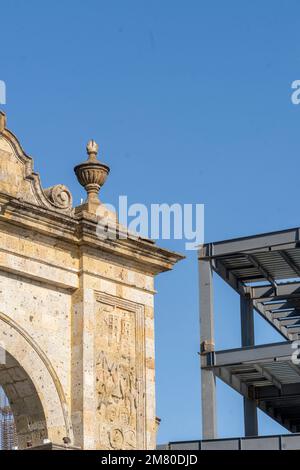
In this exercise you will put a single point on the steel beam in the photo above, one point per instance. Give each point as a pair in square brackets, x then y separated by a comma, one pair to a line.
[274, 322]
[247, 321]
[271, 392]
[247, 336]
[208, 381]
[268, 293]
[282, 240]
[262, 353]
[290, 262]
[262, 270]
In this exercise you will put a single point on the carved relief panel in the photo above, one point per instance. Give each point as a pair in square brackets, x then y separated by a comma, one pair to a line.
[120, 373]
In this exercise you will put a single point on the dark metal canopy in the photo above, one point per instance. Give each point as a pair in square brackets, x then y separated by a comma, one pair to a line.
[267, 269]
[265, 374]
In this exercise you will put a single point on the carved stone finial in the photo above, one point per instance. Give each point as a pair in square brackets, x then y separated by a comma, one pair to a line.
[92, 175]
[92, 150]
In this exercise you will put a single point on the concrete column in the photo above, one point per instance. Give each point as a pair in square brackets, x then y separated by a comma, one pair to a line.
[208, 381]
[247, 335]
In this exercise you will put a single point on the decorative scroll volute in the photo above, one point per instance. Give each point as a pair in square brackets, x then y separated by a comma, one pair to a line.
[18, 180]
[59, 196]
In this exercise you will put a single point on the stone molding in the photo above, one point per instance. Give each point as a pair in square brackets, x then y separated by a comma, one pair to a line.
[82, 230]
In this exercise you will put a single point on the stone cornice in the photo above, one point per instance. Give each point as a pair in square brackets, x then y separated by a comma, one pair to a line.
[26, 204]
[141, 254]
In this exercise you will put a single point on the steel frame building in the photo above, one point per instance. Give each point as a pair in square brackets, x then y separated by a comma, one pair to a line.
[265, 271]
[8, 436]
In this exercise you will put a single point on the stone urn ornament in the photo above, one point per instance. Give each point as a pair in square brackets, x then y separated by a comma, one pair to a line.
[91, 175]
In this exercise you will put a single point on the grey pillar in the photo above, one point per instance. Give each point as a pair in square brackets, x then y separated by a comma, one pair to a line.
[208, 381]
[247, 333]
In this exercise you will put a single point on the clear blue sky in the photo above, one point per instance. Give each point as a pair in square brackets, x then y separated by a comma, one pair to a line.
[190, 102]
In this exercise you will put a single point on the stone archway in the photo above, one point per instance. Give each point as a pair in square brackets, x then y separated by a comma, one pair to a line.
[35, 394]
[26, 406]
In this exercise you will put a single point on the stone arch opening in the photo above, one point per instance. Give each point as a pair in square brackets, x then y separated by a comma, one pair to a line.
[44, 413]
[26, 406]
